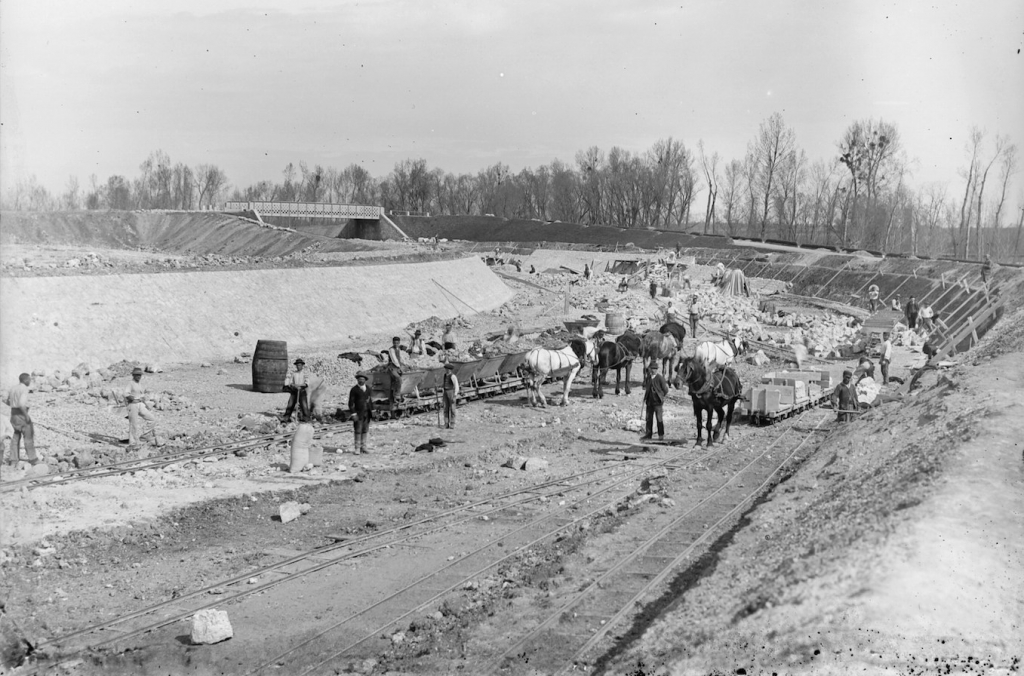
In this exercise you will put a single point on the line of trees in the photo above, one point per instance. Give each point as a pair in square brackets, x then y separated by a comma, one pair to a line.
[861, 197]
[159, 185]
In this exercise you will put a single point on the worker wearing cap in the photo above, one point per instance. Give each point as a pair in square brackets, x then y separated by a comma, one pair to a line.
[654, 399]
[141, 421]
[361, 407]
[451, 394]
[844, 398]
[17, 399]
[296, 384]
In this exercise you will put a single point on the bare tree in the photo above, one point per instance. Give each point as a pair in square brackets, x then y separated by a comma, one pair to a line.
[1003, 146]
[970, 175]
[1007, 168]
[868, 148]
[710, 166]
[70, 199]
[210, 180]
[731, 192]
[775, 141]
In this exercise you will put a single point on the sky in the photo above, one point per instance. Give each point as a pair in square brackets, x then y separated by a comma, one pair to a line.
[251, 85]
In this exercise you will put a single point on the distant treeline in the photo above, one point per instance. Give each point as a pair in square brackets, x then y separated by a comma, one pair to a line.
[861, 197]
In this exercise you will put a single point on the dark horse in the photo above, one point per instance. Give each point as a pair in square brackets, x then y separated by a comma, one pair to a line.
[718, 392]
[677, 331]
[616, 355]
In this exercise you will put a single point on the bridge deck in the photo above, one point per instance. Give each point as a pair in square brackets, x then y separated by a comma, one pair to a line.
[307, 209]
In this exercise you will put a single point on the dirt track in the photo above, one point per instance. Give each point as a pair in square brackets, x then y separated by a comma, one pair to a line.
[894, 548]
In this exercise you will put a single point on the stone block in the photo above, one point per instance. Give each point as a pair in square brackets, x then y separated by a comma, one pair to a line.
[533, 464]
[289, 511]
[210, 626]
[37, 470]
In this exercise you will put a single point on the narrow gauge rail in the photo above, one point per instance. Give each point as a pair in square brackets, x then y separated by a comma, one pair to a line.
[646, 563]
[431, 587]
[579, 626]
[119, 629]
[410, 393]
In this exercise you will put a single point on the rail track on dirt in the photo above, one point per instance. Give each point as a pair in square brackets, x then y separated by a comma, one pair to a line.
[555, 642]
[157, 461]
[616, 481]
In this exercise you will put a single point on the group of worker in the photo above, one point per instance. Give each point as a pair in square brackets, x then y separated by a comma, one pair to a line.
[141, 421]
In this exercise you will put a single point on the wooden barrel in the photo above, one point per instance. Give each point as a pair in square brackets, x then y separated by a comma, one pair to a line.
[615, 323]
[269, 365]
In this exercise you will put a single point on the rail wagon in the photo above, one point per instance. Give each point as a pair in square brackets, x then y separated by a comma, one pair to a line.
[420, 390]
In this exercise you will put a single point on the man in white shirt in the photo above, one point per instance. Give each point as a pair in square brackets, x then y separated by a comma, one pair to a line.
[885, 356]
[17, 399]
[416, 346]
[141, 421]
[296, 383]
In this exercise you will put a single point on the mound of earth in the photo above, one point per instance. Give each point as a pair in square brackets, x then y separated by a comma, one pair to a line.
[194, 233]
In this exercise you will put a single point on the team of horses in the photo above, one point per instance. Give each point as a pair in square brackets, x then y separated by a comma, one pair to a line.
[712, 385]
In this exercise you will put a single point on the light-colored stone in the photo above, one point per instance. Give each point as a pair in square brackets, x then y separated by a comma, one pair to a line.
[37, 470]
[210, 626]
[289, 511]
[534, 464]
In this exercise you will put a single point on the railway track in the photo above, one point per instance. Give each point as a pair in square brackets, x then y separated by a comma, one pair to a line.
[553, 643]
[579, 627]
[156, 461]
[620, 481]
[409, 406]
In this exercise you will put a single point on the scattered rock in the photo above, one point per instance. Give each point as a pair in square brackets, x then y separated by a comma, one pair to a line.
[210, 626]
[40, 469]
[635, 425]
[759, 358]
[533, 464]
[205, 365]
[289, 511]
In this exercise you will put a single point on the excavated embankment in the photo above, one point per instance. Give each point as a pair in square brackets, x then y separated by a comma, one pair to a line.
[194, 316]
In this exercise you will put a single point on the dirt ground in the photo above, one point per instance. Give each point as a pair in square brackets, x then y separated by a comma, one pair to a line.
[894, 549]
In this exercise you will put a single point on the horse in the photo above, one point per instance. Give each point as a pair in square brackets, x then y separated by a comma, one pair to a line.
[542, 362]
[655, 345]
[616, 355]
[675, 329]
[716, 392]
[722, 353]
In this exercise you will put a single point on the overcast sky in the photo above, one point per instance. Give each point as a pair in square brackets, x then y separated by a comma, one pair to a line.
[250, 85]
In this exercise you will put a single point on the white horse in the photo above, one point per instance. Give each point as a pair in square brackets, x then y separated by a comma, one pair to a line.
[722, 353]
[542, 362]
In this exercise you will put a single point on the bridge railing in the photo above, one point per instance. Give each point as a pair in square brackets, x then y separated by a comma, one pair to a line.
[307, 209]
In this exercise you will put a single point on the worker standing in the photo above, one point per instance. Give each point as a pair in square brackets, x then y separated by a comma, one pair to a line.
[885, 358]
[654, 289]
[873, 297]
[451, 395]
[654, 399]
[844, 398]
[360, 405]
[586, 272]
[141, 421]
[296, 384]
[896, 305]
[21, 421]
[911, 311]
[694, 316]
[448, 339]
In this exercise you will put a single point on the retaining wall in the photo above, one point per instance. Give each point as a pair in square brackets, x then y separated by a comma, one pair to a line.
[58, 322]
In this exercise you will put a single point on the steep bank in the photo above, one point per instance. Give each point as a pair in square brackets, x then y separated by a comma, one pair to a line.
[192, 316]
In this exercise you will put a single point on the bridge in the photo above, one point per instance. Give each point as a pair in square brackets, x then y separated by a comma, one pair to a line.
[368, 222]
[308, 209]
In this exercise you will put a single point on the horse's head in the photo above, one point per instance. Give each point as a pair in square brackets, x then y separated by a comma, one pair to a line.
[585, 350]
[692, 372]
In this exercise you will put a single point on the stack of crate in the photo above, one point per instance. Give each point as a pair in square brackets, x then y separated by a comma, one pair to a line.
[780, 391]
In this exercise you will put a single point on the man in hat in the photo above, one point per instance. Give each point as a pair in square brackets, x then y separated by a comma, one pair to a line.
[451, 394]
[17, 399]
[361, 407]
[885, 357]
[141, 421]
[911, 311]
[896, 305]
[416, 346]
[296, 384]
[844, 398]
[694, 316]
[654, 399]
